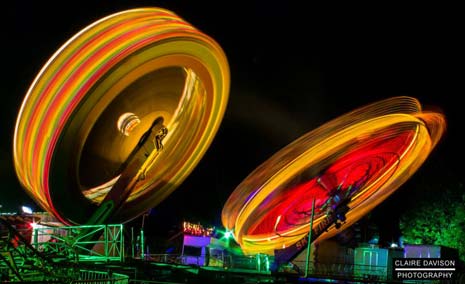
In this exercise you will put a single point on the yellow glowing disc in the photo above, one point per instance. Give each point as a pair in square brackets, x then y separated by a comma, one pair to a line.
[96, 96]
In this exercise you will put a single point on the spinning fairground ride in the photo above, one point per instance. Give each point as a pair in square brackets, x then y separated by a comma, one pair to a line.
[118, 117]
[122, 113]
[330, 177]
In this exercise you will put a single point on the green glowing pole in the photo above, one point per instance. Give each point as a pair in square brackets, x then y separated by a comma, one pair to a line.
[309, 248]
[142, 240]
[142, 244]
[132, 242]
[105, 237]
[122, 242]
[36, 237]
[258, 262]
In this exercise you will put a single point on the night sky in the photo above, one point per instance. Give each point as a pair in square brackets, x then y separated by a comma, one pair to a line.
[292, 68]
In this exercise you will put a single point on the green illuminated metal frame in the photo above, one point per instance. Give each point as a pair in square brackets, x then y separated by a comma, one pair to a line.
[78, 243]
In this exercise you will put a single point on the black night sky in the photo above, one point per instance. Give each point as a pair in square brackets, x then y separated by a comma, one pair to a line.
[293, 67]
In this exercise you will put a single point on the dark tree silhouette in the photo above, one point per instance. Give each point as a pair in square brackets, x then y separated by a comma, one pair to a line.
[438, 218]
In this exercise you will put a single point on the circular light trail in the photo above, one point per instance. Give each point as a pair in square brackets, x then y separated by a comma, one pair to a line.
[361, 157]
[147, 63]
